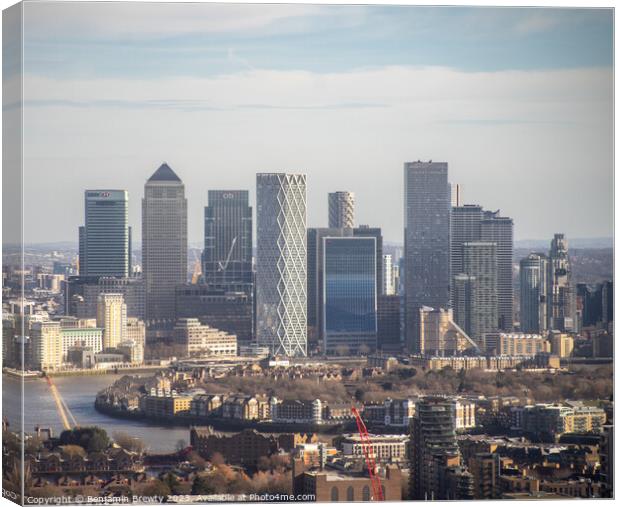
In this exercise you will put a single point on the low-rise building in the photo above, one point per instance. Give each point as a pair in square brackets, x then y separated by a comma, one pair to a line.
[165, 406]
[330, 485]
[242, 449]
[202, 340]
[385, 448]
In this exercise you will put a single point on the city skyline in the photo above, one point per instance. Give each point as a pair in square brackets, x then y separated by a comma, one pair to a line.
[242, 102]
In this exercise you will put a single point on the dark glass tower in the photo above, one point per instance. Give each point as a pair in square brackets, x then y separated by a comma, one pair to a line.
[227, 256]
[349, 293]
[427, 242]
[104, 238]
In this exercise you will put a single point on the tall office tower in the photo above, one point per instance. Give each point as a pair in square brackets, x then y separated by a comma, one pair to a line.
[463, 292]
[112, 317]
[427, 242]
[561, 301]
[164, 243]
[388, 276]
[227, 257]
[433, 447]
[499, 230]
[315, 248]
[350, 295]
[281, 319]
[104, 246]
[480, 262]
[533, 271]
[464, 227]
[341, 209]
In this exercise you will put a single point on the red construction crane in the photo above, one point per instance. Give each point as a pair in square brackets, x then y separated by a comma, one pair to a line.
[375, 481]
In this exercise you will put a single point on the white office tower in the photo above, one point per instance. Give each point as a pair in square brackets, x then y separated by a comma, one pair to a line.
[281, 297]
[341, 210]
[112, 317]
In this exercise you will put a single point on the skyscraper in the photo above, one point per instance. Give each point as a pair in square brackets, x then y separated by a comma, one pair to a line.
[349, 294]
[104, 238]
[112, 317]
[464, 226]
[281, 263]
[227, 257]
[499, 230]
[164, 243]
[427, 242]
[480, 262]
[533, 274]
[341, 209]
[561, 300]
[315, 238]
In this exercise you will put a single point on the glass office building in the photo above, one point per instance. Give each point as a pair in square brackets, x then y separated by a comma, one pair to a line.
[349, 295]
[104, 239]
[227, 258]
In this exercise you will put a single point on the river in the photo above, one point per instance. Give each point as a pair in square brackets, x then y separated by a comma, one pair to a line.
[79, 395]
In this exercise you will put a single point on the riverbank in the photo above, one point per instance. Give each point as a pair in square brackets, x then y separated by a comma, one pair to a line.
[222, 424]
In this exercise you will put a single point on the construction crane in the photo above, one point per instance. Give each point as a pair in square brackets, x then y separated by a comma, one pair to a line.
[369, 455]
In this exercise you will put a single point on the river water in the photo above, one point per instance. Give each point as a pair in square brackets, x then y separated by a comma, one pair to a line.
[79, 394]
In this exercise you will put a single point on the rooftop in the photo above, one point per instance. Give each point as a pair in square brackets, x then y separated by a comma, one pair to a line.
[164, 173]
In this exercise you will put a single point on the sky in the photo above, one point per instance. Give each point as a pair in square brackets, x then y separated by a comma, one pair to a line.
[517, 101]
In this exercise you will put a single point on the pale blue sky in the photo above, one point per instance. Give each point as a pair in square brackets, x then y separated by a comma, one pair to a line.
[517, 101]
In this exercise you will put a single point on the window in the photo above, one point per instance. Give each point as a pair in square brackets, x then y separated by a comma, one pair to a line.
[334, 494]
[350, 494]
[366, 494]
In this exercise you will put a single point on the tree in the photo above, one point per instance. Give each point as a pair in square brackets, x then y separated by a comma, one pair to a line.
[73, 450]
[181, 444]
[202, 486]
[129, 443]
[91, 438]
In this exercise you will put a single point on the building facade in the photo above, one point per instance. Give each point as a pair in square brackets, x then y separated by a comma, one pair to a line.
[104, 240]
[281, 297]
[227, 310]
[164, 243]
[433, 448]
[349, 294]
[480, 262]
[500, 230]
[427, 242]
[561, 300]
[440, 335]
[202, 340]
[227, 256]
[533, 277]
[341, 209]
[112, 318]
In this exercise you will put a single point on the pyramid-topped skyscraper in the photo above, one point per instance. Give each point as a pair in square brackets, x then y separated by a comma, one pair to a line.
[164, 244]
